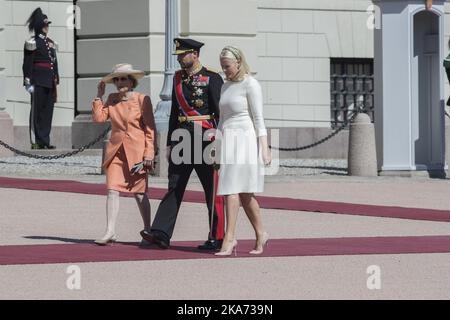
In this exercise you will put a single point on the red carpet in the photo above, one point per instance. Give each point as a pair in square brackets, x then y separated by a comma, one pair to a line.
[77, 253]
[265, 202]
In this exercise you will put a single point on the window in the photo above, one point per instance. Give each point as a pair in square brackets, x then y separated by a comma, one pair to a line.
[351, 88]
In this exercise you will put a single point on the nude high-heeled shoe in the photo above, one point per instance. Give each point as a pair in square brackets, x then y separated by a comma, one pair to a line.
[259, 248]
[227, 252]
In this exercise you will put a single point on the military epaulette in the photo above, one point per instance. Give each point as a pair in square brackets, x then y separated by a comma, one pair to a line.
[30, 44]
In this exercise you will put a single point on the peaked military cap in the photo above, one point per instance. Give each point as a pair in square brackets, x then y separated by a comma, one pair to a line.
[37, 21]
[184, 45]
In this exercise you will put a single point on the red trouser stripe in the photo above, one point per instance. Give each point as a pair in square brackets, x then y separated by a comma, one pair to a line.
[219, 206]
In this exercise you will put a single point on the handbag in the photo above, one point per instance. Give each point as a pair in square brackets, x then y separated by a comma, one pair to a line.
[139, 166]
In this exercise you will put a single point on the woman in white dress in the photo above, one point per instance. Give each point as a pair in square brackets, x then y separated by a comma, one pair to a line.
[242, 147]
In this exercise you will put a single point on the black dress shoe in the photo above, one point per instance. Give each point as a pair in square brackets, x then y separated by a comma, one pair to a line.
[156, 237]
[42, 146]
[211, 244]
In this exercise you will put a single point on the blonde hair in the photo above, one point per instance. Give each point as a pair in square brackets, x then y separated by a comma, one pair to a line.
[236, 54]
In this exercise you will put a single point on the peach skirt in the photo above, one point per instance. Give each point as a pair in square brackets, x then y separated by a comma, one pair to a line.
[118, 176]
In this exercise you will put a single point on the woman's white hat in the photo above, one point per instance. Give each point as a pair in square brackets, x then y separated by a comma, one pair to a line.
[123, 69]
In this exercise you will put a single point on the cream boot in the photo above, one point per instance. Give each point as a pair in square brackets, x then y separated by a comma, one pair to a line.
[112, 211]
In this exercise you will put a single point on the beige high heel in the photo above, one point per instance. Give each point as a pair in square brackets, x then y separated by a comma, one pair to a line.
[264, 242]
[229, 250]
[106, 239]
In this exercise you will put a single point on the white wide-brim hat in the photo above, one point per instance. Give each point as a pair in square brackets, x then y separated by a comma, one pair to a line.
[123, 69]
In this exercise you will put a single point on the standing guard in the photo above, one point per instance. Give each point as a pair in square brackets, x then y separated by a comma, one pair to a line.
[195, 103]
[40, 78]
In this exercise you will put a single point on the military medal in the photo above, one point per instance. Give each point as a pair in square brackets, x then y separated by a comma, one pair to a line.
[199, 103]
[199, 92]
[200, 81]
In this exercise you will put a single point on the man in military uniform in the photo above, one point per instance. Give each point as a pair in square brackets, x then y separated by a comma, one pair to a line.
[40, 78]
[195, 102]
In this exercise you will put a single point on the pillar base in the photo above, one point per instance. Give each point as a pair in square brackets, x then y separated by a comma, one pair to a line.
[6, 133]
[435, 174]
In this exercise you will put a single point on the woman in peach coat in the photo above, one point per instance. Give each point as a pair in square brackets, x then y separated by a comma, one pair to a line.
[132, 141]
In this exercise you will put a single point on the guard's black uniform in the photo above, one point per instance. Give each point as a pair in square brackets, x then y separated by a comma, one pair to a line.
[202, 92]
[40, 69]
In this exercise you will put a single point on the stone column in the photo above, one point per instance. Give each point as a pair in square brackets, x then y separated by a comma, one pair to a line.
[6, 123]
[162, 112]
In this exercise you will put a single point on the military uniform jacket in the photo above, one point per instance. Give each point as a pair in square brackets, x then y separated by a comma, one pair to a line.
[40, 65]
[202, 92]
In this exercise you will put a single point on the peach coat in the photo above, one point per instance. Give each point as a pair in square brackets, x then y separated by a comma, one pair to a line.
[132, 126]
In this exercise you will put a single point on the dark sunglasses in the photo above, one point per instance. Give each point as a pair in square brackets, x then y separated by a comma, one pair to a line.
[121, 79]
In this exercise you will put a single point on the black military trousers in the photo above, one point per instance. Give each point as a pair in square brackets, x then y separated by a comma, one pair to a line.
[41, 115]
[167, 212]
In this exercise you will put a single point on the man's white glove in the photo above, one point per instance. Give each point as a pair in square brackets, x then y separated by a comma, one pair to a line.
[29, 88]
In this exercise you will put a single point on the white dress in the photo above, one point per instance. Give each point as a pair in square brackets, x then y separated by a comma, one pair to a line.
[241, 123]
